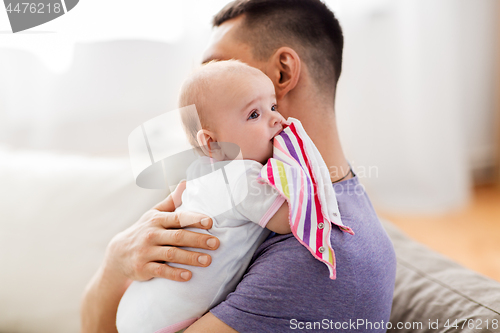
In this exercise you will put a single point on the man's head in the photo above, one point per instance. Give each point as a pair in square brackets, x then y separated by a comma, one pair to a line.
[259, 32]
[235, 103]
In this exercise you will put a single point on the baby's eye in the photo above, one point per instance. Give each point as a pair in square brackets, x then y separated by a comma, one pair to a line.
[254, 115]
[274, 107]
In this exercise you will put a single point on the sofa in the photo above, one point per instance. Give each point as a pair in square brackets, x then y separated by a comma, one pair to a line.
[58, 212]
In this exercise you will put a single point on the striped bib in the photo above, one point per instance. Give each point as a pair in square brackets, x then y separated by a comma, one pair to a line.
[299, 173]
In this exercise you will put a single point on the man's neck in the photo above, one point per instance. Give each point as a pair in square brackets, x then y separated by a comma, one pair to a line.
[321, 126]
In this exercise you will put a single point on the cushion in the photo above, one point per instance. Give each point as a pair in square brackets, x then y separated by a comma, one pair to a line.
[439, 293]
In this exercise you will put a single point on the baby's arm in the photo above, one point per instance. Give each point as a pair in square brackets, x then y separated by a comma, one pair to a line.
[279, 223]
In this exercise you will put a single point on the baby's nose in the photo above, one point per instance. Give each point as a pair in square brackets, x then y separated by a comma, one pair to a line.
[277, 119]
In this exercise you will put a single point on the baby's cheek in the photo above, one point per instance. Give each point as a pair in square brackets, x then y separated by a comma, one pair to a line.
[269, 152]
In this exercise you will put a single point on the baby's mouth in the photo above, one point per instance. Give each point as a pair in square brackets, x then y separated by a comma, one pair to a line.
[275, 135]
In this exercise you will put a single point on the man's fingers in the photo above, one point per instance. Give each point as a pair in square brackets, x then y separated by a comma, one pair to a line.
[175, 255]
[173, 200]
[164, 271]
[172, 254]
[177, 194]
[182, 219]
[186, 238]
[167, 205]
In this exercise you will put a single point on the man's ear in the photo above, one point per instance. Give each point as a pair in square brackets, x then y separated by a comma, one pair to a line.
[284, 70]
[208, 143]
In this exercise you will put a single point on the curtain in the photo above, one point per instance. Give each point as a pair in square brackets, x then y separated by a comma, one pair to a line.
[414, 102]
[416, 98]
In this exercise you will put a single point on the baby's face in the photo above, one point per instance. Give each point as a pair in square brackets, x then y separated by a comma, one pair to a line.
[246, 114]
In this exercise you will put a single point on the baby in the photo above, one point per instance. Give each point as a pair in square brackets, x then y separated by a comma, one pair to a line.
[236, 105]
[236, 129]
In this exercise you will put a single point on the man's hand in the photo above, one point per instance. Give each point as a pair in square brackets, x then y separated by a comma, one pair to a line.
[139, 251]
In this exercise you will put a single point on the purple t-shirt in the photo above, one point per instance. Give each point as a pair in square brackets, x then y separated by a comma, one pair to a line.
[286, 289]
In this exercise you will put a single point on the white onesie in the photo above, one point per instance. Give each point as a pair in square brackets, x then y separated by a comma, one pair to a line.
[240, 207]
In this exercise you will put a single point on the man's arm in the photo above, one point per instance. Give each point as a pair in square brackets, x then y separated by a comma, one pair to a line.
[101, 299]
[136, 253]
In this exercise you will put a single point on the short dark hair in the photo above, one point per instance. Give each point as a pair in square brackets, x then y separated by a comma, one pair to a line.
[307, 26]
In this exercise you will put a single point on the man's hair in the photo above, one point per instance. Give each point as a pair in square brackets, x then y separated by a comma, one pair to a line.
[307, 26]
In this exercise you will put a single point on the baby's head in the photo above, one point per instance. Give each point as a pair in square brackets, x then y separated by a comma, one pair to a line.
[235, 103]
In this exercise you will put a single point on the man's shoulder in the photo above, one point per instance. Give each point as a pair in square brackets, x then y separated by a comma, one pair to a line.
[283, 271]
[356, 212]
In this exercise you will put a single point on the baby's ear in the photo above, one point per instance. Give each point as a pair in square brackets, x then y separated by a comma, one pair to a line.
[208, 143]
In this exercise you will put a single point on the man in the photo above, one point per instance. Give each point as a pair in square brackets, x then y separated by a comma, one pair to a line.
[298, 44]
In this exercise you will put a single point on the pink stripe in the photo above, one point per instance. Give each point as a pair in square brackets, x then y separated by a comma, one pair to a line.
[271, 211]
[278, 145]
[319, 215]
[270, 175]
[301, 145]
[297, 223]
[313, 178]
[315, 186]
[306, 159]
[319, 232]
[298, 210]
[294, 224]
[270, 181]
[177, 326]
[299, 206]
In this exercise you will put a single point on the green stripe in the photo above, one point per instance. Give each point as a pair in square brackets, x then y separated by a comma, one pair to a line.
[283, 180]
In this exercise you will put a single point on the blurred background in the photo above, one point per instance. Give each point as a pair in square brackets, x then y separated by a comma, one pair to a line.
[417, 104]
